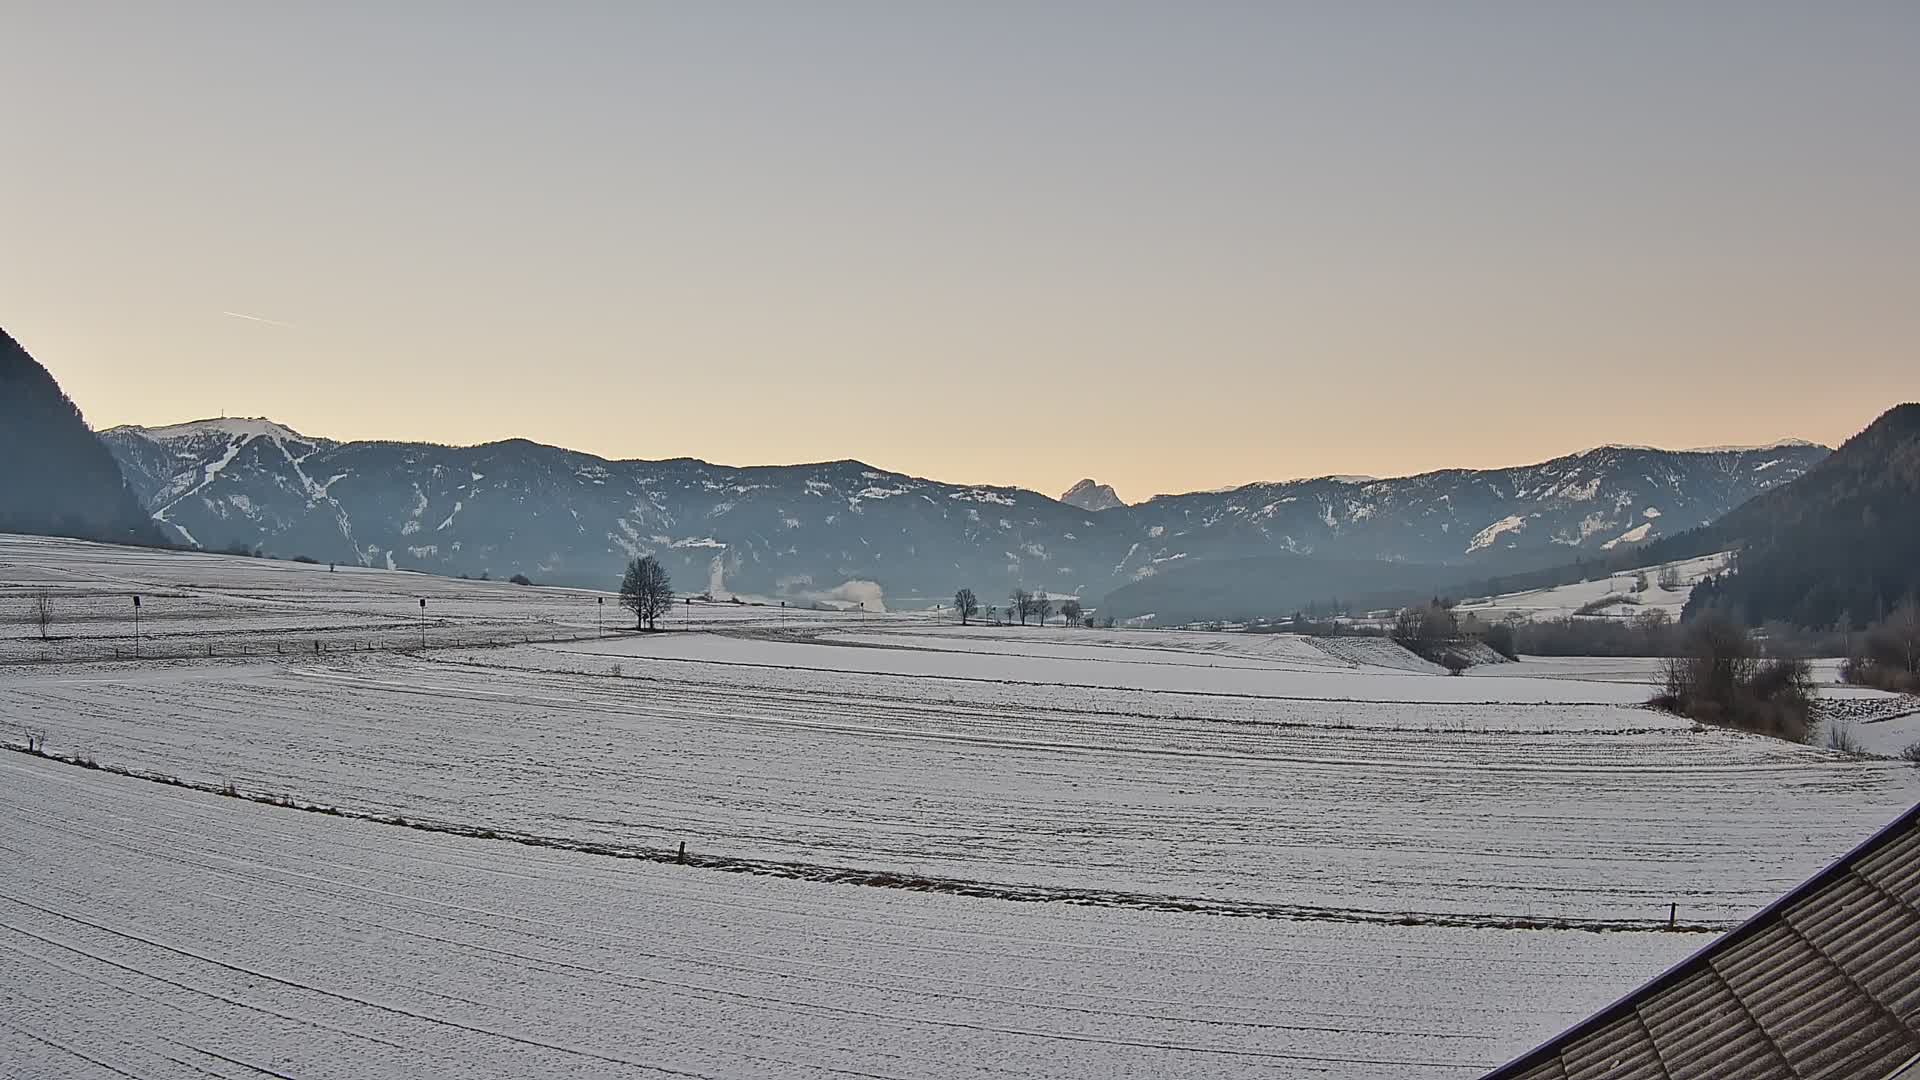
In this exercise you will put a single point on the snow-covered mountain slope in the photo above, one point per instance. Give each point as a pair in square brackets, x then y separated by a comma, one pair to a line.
[1597, 500]
[856, 532]
[1088, 495]
[1624, 594]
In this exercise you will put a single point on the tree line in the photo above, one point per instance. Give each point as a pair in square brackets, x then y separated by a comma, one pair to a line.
[1022, 604]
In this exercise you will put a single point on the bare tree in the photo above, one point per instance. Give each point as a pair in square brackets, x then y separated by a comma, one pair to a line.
[646, 591]
[43, 612]
[1669, 579]
[1071, 610]
[1716, 657]
[1889, 654]
[1020, 603]
[967, 604]
[1042, 606]
[1425, 630]
[1898, 638]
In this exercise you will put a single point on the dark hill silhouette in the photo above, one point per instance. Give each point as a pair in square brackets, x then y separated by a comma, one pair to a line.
[58, 478]
[1839, 544]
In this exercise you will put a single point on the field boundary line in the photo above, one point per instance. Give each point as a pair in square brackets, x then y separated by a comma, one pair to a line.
[887, 879]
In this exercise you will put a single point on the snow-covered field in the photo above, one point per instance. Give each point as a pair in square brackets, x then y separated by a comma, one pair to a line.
[196, 604]
[1566, 600]
[1045, 658]
[1430, 873]
[153, 932]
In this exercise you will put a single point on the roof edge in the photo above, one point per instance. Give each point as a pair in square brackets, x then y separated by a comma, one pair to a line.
[1750, 927]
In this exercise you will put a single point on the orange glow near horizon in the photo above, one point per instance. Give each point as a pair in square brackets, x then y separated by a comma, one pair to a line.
[1168, 249]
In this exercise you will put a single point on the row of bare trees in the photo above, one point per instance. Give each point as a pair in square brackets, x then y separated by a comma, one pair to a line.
[1022, 604]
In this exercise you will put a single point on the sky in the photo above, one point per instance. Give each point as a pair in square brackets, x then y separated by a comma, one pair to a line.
[1170, 246]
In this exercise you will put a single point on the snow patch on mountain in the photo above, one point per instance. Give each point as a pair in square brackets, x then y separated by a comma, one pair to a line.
[1632, 536]
[983, 495]
[1783, 444]
[237, 428]
[1485, 537]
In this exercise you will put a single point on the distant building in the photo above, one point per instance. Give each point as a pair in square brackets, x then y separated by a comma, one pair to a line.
[1056, 599]
[1823, 983]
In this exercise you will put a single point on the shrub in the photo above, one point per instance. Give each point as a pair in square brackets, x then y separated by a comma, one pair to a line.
[1888, 656]
[1649, 633]
[520, 579]
[1911, 754]
[1862, 672]
[308, 559]
[1455, 663]
[1718, 678]
[1425, 630]
[1600, 604]
[1840, 737]
[1500, 638]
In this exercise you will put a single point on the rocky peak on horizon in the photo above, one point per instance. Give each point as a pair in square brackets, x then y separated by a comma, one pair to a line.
[1092, 497]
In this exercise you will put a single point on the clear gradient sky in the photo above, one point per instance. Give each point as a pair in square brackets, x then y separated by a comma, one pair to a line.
[1171, 246]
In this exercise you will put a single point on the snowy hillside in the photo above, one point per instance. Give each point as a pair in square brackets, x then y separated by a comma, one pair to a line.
[1593, 501]
[1622, 588]
[844, 530]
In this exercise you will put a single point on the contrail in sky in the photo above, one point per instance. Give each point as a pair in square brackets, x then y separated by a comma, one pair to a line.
[258, 318]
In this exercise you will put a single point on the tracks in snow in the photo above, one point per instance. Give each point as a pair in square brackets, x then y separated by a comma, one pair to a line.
[841, 875]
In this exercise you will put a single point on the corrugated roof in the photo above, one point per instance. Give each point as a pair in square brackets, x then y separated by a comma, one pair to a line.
[1824, 983]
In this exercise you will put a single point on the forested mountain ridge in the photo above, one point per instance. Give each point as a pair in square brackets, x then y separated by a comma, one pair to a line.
[1840, 545]
[56, 477]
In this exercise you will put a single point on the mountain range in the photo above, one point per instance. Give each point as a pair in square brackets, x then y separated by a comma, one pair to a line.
[846, 531]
